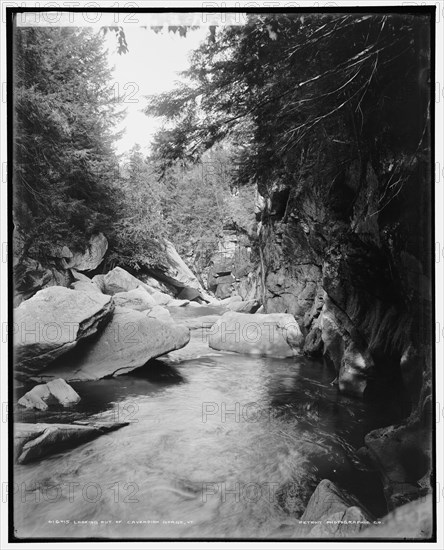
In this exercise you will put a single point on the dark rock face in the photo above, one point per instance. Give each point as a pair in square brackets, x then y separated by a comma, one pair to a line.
[35, 441]
[52, 322]
[332, 512]
[233, 268]
[355, 270]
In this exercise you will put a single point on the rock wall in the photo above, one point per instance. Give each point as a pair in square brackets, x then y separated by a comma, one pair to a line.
[355, 271]
[355, 276]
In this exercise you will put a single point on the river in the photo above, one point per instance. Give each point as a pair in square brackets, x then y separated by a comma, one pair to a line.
[218, 445]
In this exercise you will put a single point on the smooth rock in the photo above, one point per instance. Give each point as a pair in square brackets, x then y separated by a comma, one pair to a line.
[52, 322]
[58, 389]
[128, 341]
[119, 280]
[175, 272]
[36, 398]
[92, 257]
[63, 392]
[99, 281]
[204, 322]
[138, 299]
[413, 520]
[161, 299]
[274, 335]
[35, 441]
[160, 312]
[328, 504]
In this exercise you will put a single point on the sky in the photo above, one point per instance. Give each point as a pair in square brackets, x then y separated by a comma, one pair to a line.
[151, 66]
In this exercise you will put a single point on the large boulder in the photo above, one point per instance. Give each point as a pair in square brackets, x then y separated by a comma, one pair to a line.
[57, 390]
[275, 334]
[51, 323]
[128, 341]
[137, 299]
[176, 273]
[413, 520]
[161, 299]
[160, 312]
[92, 257]
[119, 280]
[403, 455]
[35, 441]
[333, 512]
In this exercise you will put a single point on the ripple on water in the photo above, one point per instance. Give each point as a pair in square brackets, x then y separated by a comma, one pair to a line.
[224, 445]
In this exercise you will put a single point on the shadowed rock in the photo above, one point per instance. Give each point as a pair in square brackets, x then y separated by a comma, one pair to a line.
[52, 322]
[35, 441]
[92, 257]
[129, 340]
[274, 335]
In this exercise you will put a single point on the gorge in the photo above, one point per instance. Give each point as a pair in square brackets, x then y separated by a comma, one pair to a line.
[246, 313]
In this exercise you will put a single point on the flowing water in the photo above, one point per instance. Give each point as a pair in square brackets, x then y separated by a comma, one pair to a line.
[218, 445]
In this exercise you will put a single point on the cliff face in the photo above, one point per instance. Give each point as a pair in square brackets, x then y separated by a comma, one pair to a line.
[355, 271]
[356, 276]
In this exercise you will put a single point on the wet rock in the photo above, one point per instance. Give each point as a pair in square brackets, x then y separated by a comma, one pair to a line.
[57, 389]
[332, 338]
[35, 441]
[356, 367]
[274, 335]
[128, 341]
[331, 507]
[313, 345]
[403, 456]
[137, 299]
[251, 306]
[92, 257]
[52, 322]
[413, 520]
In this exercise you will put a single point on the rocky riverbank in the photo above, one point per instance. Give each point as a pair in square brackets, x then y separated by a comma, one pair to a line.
[110, 324]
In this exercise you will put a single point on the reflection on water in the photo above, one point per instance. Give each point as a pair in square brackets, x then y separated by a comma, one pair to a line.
[220, 446]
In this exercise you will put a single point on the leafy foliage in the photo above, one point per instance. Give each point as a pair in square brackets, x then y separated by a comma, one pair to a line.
[311, 90]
